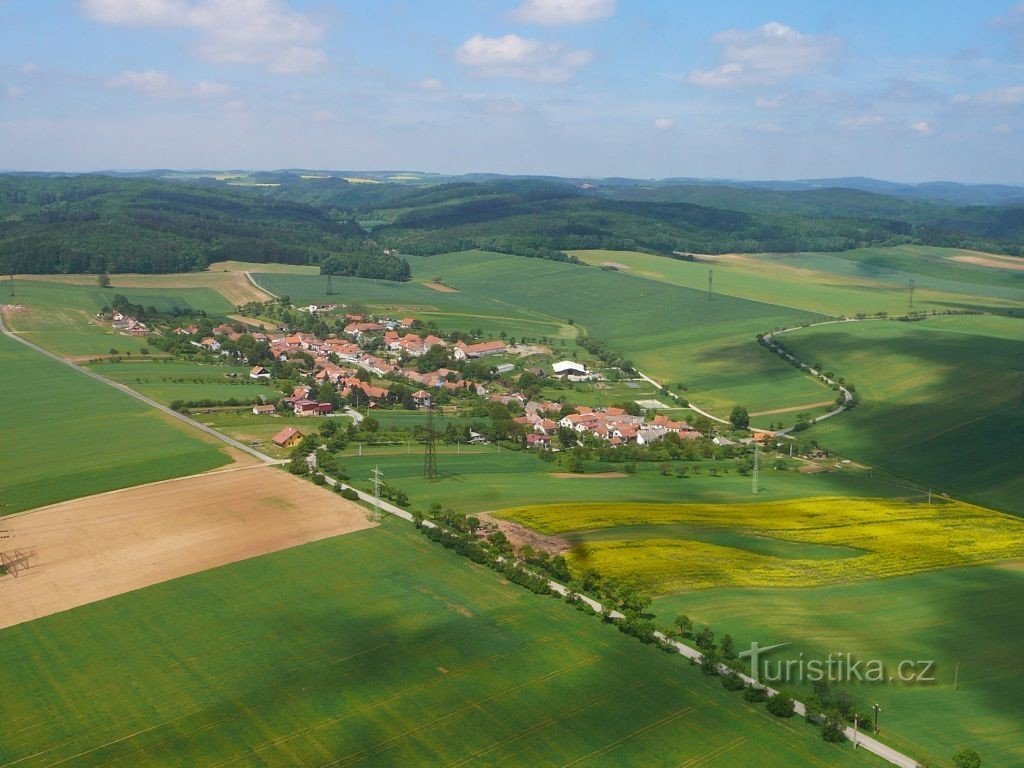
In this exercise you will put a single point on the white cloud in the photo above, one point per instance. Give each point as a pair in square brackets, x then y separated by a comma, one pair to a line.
[664, 123]
[862, 121]
[924, 128]
[517, 57]
[762, 102]
[1010, 96]
[260, 32]
[161, 85]
[555, 12]
[235, 105]
[12, 92]
[430, 84]
[1002, 129]
[769, 126]
[768, 54]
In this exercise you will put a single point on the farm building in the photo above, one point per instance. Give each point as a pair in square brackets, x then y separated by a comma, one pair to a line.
[288, 437]
[267, 409]
[259, 372]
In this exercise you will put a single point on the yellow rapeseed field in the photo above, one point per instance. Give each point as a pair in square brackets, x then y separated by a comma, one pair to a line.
[896, 538]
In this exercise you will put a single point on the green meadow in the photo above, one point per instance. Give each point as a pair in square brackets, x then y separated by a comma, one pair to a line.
[940, 401]
[168, 380]
[481, 479]
[968, 618]
[671, 333]
[866, 280]
[83, 437]
[61, 316]
[336, 653]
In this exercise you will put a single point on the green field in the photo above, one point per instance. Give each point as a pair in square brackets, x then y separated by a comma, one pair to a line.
[672, 333]
[335, 653]
[968, 616]
[83, 437]
[866, 280]
[169, 380]
[940, 402]
[61, 316]
[487, 479]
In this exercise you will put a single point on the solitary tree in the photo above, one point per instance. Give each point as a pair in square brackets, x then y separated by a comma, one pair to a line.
[739, 418]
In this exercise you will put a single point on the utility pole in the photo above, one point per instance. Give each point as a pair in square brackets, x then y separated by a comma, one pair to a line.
[956, 677]
[12, 283]
[757, 457]
[877, 710]
[330, 284]
[711, 275]
[911, 293]
[430, 450]
[376, 491]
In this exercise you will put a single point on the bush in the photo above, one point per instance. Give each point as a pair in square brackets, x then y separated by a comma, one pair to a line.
[755, 694]
[781, 705]
[733, 682]
[348, 493]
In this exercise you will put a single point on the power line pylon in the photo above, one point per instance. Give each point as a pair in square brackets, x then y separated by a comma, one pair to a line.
[754, 486]
[376, 491]
[430, 450]
[711, 275]
[911, 286]
[330, 284]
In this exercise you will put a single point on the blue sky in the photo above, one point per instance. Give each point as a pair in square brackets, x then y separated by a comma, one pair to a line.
[902, 89]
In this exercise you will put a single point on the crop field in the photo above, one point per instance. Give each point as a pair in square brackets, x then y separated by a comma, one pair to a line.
[888, 538]
[335, 654]
[169, 380]
[61, 317]
[672, 333]
[483, 479]
[866, 280]
[82, 437]
[940, 402]
[232, 285]
[89, 549]
[967, 620]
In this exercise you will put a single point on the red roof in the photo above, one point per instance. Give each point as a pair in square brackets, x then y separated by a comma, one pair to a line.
[285, 435]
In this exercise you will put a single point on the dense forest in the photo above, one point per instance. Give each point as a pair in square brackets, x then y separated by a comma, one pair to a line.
[147, 223]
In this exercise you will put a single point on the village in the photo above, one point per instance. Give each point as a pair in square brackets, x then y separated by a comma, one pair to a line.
[380, 362]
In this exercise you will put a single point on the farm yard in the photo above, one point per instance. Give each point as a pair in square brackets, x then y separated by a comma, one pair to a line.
[89, 549]
[334, 653]
[84, 437]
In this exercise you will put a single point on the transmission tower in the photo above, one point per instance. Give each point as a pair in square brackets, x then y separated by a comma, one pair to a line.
[330, 284]
[711, 275]
[430, 450]
[911, 286]
[12, 284]
[757, 461]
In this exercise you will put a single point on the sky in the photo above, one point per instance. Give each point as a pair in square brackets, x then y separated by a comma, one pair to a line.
[905, 90]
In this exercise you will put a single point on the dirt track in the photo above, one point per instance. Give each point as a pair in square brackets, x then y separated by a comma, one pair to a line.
[89, 549]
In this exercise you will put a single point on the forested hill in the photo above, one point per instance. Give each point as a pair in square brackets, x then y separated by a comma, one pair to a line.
[167, 222]
[106, 224]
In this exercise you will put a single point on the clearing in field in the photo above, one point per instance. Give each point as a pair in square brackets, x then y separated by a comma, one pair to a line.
[673, 547]
[93, 548]
[375, 649]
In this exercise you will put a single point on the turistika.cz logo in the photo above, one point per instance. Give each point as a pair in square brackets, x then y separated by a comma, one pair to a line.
[835, 668]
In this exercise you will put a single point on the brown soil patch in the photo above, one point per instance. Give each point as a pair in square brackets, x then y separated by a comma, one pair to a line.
[805, 407]
[991, 260]
[253, 322]
[593, 476]
[813, 469]
[89, 549]
[440, 287]
[521, 536]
